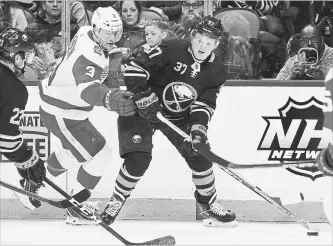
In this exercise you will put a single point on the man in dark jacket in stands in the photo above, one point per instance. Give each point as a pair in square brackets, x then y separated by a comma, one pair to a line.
[47, 34]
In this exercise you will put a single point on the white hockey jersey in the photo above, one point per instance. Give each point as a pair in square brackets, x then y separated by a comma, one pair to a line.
[75, 86]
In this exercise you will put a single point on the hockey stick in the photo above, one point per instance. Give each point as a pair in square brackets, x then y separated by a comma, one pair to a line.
[300, 164]
[227, 164]
[81, 196]
[167, 240]
[223, 164]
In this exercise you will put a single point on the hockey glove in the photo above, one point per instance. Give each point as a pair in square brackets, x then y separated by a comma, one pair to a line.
[32, 169]
[120, 102]
[116, 55]
[148, 105]
[199, 136]
[325, 161]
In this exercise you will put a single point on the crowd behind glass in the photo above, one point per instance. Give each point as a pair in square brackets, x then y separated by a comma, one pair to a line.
[265, 39]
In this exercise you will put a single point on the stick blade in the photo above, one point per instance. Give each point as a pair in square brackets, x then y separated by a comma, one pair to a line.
[167, 240]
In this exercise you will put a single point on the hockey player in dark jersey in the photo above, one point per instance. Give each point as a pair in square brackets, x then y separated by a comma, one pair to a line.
[182, 80]
[15, 50]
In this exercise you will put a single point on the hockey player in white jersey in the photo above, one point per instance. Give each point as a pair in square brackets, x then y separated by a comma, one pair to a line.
[74, 87]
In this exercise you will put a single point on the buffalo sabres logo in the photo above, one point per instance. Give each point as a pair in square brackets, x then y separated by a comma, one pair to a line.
[178, 96]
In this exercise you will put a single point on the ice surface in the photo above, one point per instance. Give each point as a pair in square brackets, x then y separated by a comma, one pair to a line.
[51, 232]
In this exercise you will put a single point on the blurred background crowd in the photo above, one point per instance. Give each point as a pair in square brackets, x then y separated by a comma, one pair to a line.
[265, 39]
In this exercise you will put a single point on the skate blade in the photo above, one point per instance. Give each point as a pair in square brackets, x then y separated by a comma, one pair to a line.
[24, 200]
[81, 222]
[216, 223]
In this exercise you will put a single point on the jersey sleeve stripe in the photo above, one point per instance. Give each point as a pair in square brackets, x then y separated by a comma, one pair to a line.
[61, 104]
[10, 138]
[133, 68]
[136, 65]
[126, 74]
[202, 110]
[9, 147]
[83, 86]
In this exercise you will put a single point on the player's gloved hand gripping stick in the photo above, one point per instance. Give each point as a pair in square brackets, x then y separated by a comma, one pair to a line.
[223, 164]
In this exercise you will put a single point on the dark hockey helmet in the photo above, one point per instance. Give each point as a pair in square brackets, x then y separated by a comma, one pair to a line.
[14, 41]
[209, 26]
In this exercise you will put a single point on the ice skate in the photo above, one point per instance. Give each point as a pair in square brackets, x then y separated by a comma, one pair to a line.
[30, 186]
[112, 209]
[214, 215]
[74, 218]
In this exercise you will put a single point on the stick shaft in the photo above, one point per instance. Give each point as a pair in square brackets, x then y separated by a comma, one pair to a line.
[223, 164]
[32, 195]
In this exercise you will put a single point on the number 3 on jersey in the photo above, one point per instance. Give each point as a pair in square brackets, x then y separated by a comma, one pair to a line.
[16, 118]
[90, 71]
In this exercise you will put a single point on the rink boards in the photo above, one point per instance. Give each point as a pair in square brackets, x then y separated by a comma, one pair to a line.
[254, 122]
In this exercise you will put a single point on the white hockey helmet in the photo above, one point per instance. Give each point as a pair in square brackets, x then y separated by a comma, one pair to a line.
[108, 19]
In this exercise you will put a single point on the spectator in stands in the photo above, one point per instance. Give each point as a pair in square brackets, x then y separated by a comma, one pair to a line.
[130, 12]
[192, 13]
[133, 35]
[172, 9]
[296, 66]
[12, 15]
[47, 33]
[191, 9]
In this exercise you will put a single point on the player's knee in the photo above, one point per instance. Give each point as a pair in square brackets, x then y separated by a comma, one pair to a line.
[198, 163]
[91, 172]
[137, 163]
[98, 144]
[54, 162]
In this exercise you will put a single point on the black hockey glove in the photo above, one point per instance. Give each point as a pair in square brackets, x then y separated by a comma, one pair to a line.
[120, 101]
[148, 105]
[32, 169]
[325, 161]
[199, 137]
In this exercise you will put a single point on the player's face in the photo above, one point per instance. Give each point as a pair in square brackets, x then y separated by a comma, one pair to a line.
[154, 35]
[203, 46]
[107, 39]
[129, 12]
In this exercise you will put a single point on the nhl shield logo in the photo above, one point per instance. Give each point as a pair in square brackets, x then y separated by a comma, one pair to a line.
[178, 96]
[297, 134]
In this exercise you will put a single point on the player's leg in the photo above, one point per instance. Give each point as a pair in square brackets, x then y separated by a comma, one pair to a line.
[203, 178]
[135, 146]
[25, 159]
[82, 146]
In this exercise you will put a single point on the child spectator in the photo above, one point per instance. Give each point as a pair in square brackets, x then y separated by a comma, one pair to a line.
[155, 33]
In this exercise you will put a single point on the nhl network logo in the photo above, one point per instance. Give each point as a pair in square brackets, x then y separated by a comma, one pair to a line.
[297, 134]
